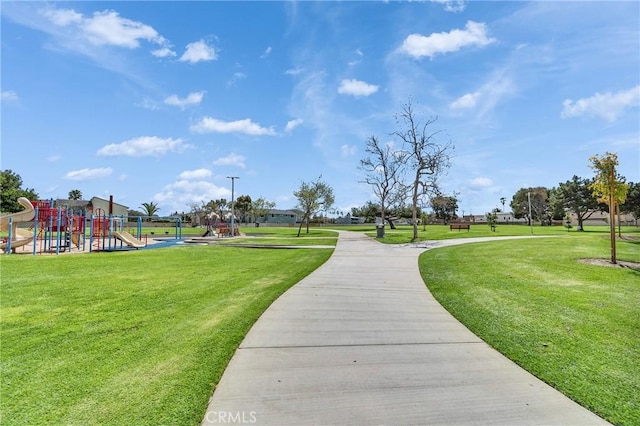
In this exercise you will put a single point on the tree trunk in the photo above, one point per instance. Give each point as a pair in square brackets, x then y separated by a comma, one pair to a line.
[300, 227]
[415, 211]
[612, 216]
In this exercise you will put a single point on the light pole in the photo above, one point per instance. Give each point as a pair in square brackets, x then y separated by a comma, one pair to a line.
[233, 179]
[530, 218]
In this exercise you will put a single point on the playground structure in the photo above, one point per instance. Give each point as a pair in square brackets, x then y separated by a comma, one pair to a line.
[216, 227]
[43, 228]
[9, 223]
[48, 229]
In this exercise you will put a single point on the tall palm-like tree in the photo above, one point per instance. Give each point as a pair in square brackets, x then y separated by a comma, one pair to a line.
[75, 194]
[150, 209]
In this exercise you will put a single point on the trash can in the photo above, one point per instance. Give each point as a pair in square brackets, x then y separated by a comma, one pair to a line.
[257, 224]
[379, 231]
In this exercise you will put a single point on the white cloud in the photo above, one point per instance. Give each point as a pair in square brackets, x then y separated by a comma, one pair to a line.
[356, 88]
[464, 102]
[498, 87]
[9, 96]
[608, 106]
[195, 174]
[105, 28]
[235, 78]
[232, 159]
[246, 126]
[481, 182]
[292, 124]
[266, 53]
[192, 99]
[474, 34]
[293, 71]
[148, 104]
[452, 5]
[84, 174]
[348, 150]
[144, 146]
[179, 194]
[199, 51]
[108, 27]
[62, 17]
[53, 158]
[163, 52]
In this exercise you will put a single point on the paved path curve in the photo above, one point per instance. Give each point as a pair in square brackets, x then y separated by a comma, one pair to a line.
[361, 341]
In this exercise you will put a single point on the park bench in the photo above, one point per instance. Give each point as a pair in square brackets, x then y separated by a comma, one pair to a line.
[459, 226]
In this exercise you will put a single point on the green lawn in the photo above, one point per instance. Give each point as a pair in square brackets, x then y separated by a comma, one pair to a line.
[143, 337]
[131, 338]
[576, 326]
[404, 233]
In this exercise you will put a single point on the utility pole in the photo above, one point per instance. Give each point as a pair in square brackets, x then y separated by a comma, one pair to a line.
[233, 178]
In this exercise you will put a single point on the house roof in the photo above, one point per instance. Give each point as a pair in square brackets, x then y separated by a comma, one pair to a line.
[106, 201]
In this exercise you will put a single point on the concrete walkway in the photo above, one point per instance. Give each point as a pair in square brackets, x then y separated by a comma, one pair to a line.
[361, 341]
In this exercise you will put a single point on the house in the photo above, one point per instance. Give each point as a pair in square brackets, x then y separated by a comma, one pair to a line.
[349, 220]
[95, 206]
[505, 218]
[281, 216]
[600, 218]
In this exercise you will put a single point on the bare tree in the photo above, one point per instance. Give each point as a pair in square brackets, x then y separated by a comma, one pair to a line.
[427, 159]
[383, 168]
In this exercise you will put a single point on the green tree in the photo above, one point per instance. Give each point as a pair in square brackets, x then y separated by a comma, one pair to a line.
[492, 220]
[383, 167]
[427, 159]
[216, 206]
[313, 197]
[444, 207]
[75, 194]
[150, 209]
[539, 204]
[11, 189]
[243, 207]
[609, 187]
[260, 207]
[575, 196]
[632, 203]
[369, 211]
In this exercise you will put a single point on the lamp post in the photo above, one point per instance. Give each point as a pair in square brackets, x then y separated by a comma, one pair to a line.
[233, 178]
[530, 217]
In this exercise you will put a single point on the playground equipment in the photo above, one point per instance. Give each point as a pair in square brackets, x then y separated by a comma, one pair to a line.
[60, 225]
[59, 229]
[217, 227]
[9, 223]
[108, 233]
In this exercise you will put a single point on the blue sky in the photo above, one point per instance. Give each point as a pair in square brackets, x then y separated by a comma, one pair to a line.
[161, 101]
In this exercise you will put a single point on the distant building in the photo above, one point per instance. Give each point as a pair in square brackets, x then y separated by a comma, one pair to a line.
[96, 206]
[281, 216]
[600, 218]
[504, 218]
[349, 220]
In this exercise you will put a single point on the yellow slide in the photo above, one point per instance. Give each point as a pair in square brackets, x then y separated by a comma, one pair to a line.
[20, 237]
[129, 239]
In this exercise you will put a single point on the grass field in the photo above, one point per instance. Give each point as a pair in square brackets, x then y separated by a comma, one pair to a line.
[143, 337]
[404, 234]
[131, 338]
[576, 326]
